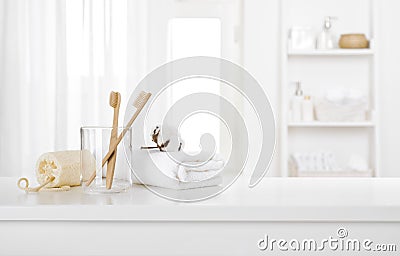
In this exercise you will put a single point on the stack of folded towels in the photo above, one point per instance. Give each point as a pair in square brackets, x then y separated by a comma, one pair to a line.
[342, 105]
[175, 169]
[314, 161]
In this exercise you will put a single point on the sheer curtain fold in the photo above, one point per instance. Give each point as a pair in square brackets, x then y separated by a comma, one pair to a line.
[58, 62]
[27, 124]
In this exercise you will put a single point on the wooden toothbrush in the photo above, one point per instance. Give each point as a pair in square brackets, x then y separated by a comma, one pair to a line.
[139, 103]
[115, 102]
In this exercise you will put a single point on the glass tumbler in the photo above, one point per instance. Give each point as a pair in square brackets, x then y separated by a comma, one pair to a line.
[95, 143]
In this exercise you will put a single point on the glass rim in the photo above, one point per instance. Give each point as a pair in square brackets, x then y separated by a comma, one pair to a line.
[102, 127]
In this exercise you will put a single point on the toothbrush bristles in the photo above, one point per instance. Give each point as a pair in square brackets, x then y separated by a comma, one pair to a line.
[141, 99]
[113, 99]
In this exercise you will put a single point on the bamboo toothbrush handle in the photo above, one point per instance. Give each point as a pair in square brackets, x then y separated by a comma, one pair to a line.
[113, 158]
[114, 145]
[120, 137]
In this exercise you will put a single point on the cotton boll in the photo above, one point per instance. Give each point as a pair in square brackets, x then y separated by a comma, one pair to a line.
[169, 137]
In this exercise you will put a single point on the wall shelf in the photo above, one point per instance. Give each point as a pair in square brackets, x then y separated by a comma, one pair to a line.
[334, 52]
[321, 70]
[334, 174]
[330, 124]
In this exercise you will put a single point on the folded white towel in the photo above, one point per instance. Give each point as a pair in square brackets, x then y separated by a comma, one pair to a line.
[345, 96]
[335, 96]
[195, 171]
[175, 169]
[314, 161]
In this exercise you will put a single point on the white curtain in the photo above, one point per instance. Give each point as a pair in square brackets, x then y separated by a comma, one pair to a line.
[58, 62]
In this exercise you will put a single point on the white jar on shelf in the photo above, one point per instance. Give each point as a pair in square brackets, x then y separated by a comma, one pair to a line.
[301, 38]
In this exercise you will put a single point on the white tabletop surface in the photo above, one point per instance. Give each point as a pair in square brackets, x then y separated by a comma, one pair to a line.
[274, 199]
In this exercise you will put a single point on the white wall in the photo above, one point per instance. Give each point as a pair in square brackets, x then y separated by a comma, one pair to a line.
[389, 57]
[261, 53]
[261, 58]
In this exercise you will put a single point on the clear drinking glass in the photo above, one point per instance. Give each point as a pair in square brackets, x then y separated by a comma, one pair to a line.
[95, 142]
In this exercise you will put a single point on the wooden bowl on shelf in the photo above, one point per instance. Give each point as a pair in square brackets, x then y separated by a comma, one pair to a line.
[353, 41]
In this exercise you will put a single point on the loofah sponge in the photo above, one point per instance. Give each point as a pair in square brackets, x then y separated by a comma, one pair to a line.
[60, 169]
[64, 166]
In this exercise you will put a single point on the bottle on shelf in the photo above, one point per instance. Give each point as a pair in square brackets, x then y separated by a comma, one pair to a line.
[307, 109]
[296, 103]
[326, 39]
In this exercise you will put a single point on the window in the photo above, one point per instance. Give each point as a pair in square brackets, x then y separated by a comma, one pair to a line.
[195, 37]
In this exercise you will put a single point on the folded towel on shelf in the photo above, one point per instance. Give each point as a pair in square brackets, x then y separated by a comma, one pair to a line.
[357, 163]
[341, 105]
[345, 96]
[176, 170]
[314, 161]
[197, 171]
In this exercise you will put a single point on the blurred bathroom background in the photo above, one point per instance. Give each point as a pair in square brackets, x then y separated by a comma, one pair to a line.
[330, 69]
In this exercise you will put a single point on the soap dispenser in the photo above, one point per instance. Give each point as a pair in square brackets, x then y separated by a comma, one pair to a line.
[296, 103]
[326, 39]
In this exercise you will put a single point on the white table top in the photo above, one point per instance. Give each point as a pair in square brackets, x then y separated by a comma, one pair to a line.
[274, 199]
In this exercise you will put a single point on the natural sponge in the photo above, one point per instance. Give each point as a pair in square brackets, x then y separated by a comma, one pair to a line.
[64, 166]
